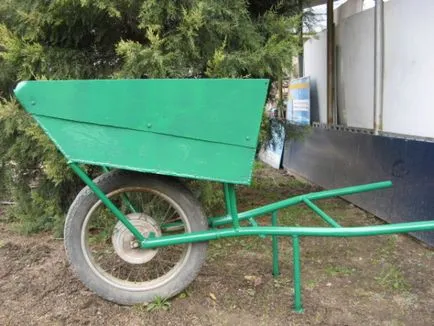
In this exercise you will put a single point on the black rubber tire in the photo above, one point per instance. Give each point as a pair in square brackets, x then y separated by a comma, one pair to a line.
[108, 183]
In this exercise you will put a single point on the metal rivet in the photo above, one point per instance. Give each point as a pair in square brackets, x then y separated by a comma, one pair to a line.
[247, 138]
[33, 103]
[149, 125]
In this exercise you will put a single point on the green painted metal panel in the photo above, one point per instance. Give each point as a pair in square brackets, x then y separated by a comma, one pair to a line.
[219, 110]
[199, 128]
[149, 152]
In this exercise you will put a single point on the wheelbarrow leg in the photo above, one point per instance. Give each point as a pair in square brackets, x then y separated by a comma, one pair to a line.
[298, 307]
[275, 246]
[231, 206]
[231, 203]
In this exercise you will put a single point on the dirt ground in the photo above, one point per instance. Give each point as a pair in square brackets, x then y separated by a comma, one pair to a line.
[385, 280]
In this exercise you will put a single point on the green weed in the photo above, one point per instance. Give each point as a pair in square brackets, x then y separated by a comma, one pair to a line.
[159, 303]
[391, 278]
[386, 251]
[311, 284]
[339, 271]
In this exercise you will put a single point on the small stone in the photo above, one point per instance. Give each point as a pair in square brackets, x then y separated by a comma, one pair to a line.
[250, 277]
[258, 281]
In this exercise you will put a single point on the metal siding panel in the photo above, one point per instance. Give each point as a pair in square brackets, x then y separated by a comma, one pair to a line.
[332, 158]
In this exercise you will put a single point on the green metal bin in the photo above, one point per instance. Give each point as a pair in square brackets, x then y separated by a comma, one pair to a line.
[197, 128]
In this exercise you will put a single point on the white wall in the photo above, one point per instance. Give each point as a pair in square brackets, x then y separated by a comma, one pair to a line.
[315, 66]
[409, 67]
[408, 106]
[355, 70]
[349, 8]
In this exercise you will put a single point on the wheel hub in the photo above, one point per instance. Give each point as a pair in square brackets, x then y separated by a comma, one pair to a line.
[125, 244]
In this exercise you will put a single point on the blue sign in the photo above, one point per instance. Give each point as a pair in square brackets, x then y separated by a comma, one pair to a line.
[298, 109]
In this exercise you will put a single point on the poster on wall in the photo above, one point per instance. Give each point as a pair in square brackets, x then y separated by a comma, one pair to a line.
[298, 108]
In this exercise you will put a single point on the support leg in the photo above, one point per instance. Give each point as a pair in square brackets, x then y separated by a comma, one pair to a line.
[275, 245]
[231, 203]
[227, 198]
[298, 307]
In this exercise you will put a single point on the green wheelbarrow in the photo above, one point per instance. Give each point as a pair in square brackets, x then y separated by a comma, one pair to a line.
[136, 232]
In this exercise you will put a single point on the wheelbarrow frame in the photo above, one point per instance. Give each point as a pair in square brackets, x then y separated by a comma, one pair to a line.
[233, 218]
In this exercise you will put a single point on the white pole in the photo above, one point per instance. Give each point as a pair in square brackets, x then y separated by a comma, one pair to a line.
[378, 67]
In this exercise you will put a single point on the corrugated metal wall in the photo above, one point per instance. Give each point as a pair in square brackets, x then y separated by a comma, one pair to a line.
[408, 66]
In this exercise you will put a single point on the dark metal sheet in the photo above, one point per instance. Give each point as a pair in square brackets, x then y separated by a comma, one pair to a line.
[338, 158]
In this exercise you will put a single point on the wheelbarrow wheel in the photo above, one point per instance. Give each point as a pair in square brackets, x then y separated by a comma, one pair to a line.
[105, 255]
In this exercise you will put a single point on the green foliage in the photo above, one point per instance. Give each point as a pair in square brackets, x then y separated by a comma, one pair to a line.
[159, 303]
[82, 39]
[272, 127]
[211, 38]
[210, 194]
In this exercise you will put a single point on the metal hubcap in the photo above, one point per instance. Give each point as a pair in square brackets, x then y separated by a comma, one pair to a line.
[125, 243]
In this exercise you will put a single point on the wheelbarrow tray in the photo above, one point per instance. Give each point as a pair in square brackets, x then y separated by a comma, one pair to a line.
[198, 128]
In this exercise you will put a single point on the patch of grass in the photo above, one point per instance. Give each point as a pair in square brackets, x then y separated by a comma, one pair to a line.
[226, 247]
[253, 244]
[218, 249]
[339, 271]
[292, 215]
[311, 284]
[390, 246]
[257, 165]
[159, 303]
[332, 204]
[282, 282]
[387, 250]
[391, 278]
[266, 178]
